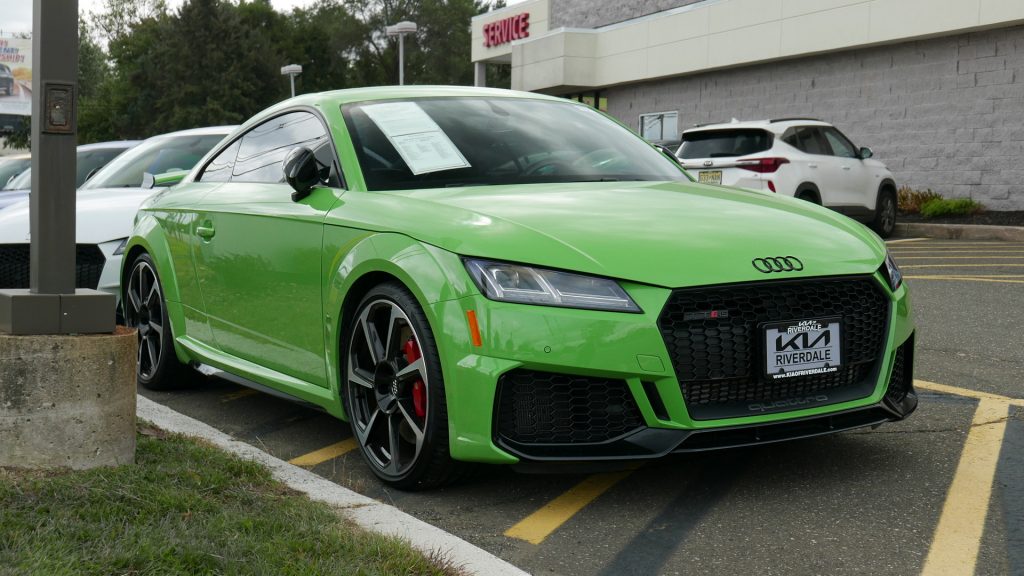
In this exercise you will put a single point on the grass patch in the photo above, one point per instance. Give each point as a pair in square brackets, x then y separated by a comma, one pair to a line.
[909, 201]
[939, 207]
[184, 507]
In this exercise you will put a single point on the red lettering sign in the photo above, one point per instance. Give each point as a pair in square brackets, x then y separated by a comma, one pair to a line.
[506, 30]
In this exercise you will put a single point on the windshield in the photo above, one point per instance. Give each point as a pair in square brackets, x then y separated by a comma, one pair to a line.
[10, 168]
[439, 142]
[724, 143]
[157, 155]
[22, 181]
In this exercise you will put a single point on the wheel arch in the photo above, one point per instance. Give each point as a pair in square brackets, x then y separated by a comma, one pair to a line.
[809, 187]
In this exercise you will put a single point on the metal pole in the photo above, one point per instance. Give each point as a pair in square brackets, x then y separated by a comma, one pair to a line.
[401, 59]
[52, 204]
[292, 78]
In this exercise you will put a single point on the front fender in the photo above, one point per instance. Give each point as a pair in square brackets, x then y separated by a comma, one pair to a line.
[432, 275]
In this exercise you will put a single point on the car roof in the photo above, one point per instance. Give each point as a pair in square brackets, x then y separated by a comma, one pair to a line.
[116, 144]
[778, 125]
[207, 131]
[24, 156]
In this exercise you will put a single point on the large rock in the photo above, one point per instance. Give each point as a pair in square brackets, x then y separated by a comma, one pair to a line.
[67, 401]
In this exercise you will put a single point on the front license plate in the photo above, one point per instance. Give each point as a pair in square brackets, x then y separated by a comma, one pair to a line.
[802, 348]
[710, 177]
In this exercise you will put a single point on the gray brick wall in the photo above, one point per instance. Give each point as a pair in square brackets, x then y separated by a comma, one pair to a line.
[595, 13]
[945, 113]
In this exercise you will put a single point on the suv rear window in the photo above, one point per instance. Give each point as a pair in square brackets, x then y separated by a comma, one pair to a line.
[724, 143]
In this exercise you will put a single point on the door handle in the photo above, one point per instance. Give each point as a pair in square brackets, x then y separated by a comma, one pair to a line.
[846, 167]
[812, 165]
[205, 232]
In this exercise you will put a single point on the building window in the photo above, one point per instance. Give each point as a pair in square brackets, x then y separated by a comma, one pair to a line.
[660, 126]
[594, 99]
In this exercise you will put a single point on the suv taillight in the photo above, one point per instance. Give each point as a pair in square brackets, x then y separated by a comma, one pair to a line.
[761, 165]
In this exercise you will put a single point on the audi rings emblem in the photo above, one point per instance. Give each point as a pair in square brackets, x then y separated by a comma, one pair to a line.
[778, 264]
[709, 163]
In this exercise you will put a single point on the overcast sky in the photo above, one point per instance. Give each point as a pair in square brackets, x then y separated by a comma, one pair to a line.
[16, 15]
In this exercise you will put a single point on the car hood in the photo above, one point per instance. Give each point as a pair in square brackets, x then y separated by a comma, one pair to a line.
[103, 215]
[665, 233]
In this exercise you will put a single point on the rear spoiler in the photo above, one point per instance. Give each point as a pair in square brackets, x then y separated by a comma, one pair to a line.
[163, 180]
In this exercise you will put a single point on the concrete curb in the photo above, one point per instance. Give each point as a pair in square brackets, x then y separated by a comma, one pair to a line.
[365, 512]
[960, 231]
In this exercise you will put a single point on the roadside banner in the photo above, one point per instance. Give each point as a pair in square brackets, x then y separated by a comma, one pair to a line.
[16, 76]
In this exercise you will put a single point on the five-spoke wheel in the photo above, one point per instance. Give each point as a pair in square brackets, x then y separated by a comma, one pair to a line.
[145, 310]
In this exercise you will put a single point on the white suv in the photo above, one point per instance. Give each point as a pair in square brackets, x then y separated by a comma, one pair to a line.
[799, 157]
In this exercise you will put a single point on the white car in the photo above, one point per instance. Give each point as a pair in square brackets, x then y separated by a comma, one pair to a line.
[799, 157]
[106, 208]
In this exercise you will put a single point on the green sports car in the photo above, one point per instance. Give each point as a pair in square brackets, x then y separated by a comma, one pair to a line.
[475, 275]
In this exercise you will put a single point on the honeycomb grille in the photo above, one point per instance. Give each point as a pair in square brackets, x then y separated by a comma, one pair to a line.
[718, 361]
[902, 373]
[14, 266]
[547, 408]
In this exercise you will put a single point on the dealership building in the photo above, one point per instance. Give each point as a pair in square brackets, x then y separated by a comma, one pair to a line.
[935, 87]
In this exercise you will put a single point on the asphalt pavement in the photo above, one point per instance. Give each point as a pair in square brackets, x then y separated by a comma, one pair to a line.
[940, 493]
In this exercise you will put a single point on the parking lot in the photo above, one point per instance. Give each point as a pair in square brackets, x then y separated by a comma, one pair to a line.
[906, 498]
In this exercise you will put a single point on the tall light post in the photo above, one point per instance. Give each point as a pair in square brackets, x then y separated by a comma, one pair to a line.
[291, 71]
[400, 30]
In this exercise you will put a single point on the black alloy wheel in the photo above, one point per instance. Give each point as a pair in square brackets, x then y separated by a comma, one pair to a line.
[157, 367]
[394, 391]
[885, 214]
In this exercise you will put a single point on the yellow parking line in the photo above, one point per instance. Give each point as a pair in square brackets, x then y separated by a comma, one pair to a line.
[238, 395]
[957, 391]
[964, 279]
[325, 454]
[539, 525]
[954, 549]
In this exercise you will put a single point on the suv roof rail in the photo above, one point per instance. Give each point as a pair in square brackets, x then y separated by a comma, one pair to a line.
[707, 124]
[774, 120]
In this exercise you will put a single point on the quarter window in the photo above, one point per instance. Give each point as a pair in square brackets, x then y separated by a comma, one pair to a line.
[807, 139]
[219, 169]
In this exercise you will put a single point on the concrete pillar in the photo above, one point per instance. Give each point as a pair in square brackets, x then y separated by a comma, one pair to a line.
[480, 74]
[67, 401]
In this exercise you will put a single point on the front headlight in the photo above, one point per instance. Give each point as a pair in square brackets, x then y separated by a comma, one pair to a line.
[120, 247]
[506, 282]
[892, 272]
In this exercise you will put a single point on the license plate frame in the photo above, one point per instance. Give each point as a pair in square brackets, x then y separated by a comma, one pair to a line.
[803, 336]
[709, 177]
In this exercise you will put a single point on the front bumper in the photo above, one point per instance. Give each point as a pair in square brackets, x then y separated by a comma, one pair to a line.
[628, 348]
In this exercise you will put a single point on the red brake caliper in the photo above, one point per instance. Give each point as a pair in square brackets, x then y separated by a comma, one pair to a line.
[419, 390]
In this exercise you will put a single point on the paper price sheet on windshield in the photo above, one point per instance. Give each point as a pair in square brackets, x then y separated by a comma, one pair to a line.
[418, 139]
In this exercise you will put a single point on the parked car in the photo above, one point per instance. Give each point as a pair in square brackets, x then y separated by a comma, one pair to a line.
[90, 158]
[104, 213]
[11, 166]
[479, 275]
[804, 158]
[6, 80]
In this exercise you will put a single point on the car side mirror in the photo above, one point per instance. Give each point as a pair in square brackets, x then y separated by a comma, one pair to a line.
[667, 152]
[866, 153]
[301, 171]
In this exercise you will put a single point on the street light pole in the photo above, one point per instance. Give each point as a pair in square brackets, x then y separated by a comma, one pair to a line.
[291, 71]
[400, 30]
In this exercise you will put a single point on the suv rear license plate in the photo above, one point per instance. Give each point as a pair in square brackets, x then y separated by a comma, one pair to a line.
[802, 348]
[710, 177]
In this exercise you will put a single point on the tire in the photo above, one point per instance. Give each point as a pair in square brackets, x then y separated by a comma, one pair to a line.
[884, 221]
[157, 366]
[404, 442]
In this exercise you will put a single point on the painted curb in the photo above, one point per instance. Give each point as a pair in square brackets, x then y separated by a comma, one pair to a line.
[365, 512]
[960, 231]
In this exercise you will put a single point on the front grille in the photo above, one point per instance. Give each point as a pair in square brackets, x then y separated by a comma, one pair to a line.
[547, 408]
[14, 266]
[902, 372]
[719, 361]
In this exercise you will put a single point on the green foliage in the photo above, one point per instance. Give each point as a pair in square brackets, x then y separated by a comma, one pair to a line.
[184, 508]
[215, 62]
[910, 200]
[939, 207]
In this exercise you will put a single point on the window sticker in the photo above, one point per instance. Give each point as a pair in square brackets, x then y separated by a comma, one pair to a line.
[417, 138]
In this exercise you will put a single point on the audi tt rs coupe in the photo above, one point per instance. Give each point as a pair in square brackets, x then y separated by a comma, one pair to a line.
[475, 275]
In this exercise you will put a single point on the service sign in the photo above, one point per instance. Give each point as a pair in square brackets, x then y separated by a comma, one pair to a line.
[15, 76]
[506, 30]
